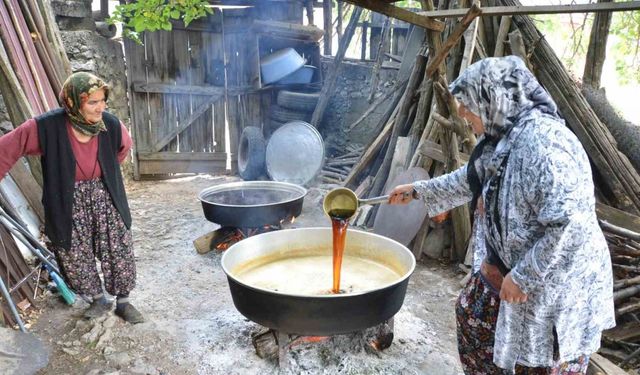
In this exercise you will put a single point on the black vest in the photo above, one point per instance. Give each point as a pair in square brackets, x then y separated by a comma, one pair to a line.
[59, 172]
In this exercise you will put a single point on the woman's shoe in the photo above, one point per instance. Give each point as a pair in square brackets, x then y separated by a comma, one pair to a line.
[129, 313]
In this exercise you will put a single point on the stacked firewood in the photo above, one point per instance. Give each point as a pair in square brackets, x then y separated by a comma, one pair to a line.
[337, 168]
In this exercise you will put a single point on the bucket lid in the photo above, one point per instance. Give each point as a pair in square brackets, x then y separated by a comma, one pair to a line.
[295, 153]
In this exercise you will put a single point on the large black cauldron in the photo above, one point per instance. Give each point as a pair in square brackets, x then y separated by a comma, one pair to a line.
[252, 204]
[317, 315]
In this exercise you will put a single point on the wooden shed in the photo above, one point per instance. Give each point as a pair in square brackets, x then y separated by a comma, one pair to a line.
[194, 89]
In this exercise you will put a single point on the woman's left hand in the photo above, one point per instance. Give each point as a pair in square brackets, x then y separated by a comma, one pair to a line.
[510, 292]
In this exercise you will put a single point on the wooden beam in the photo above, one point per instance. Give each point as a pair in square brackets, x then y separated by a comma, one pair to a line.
[202, 108]
[432, 150]
[453, 39]
[182, 156]
[537, 9]
[186, 162]
[161, 88]
[399, 13]
[599, 365]
[287, 30]
[618, 217]
[503, 31]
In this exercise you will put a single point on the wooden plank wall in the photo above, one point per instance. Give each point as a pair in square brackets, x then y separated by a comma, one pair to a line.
[221, 51]
[192, 56]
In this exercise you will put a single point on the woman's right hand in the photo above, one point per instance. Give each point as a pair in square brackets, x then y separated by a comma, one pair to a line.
[401, 194]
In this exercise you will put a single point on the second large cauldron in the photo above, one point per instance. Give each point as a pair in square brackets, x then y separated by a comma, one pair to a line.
[303, 305]
[248, 204]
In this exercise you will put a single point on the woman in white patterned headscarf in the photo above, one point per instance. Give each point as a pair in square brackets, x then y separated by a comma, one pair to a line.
[541, 291]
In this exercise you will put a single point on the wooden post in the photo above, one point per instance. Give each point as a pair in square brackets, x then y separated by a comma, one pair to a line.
[517, 47]
[505, 24]
[309, 9]
[104, 8]
[332, 77]
[597, 48]
[375, 73]
[340, 15]
[328, 26]
[363, 49]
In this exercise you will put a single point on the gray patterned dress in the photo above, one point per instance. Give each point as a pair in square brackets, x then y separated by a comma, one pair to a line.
[539, 217]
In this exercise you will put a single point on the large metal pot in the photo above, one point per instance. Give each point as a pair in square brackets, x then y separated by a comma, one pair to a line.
[250, 204]
[312, 314]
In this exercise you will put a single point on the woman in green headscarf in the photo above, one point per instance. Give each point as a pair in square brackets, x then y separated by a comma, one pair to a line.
[86, 210]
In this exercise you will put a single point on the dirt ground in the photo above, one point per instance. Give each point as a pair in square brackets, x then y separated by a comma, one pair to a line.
[192, 326]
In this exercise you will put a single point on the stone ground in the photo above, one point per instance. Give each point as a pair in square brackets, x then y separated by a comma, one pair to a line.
[192, 326]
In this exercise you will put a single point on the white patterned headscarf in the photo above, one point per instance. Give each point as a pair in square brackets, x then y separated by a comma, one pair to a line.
[507, 97]
[501, 91]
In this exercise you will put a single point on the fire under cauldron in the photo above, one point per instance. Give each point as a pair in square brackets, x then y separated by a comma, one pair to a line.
[282, 280]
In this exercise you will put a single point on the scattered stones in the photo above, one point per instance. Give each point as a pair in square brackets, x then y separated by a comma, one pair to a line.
[120, 360]
[71, 352]
[108, 351]
[110, 321]
[140, 367]
[105, 338]
[92, 335]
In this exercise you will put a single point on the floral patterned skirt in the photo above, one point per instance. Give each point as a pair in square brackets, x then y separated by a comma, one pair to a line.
[98, 232]
[476, 315]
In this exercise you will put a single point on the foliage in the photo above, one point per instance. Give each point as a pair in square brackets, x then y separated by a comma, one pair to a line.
[153, 15]
[570, 38]
[626, 28]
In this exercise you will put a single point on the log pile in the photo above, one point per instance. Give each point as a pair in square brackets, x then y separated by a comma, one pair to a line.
[337, 168]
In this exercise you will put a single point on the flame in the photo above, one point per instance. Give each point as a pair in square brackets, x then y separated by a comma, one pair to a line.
[235, 237]
[308, 340]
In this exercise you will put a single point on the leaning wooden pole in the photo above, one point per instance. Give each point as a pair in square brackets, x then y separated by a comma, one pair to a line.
[597, 50]
[330, 82]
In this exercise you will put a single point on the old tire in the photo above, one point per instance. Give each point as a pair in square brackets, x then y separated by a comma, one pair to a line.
[251, 152]
[284, 115]
[270, 127]
[299, 101]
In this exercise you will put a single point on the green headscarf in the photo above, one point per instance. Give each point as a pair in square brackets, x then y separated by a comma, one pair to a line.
[75, 91]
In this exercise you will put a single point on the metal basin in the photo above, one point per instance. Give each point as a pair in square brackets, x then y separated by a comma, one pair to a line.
[279, 301]
[280, 64]
[294, 153]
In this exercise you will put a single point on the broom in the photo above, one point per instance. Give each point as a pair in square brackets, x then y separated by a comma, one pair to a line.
[21, 233]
